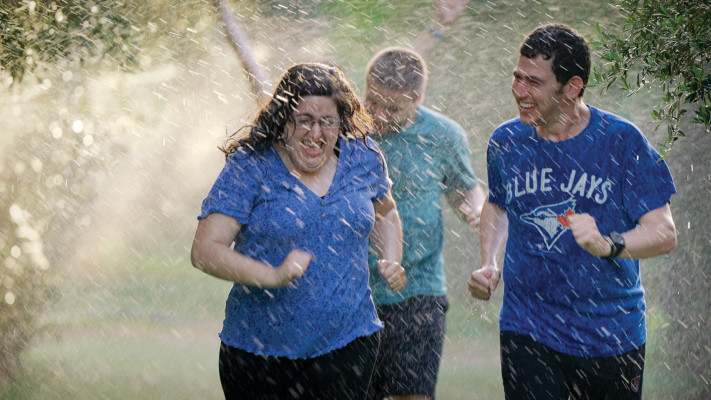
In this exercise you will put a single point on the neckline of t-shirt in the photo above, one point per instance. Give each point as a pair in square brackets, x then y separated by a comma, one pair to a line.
[585, 133]
[419, 116]
[285, 171]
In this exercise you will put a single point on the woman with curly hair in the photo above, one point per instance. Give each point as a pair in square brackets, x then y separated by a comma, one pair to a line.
[302, 192]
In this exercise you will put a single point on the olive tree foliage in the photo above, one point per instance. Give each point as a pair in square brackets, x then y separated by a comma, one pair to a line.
[664, 44]
[55, 151]
[39, 33]
[45, 165]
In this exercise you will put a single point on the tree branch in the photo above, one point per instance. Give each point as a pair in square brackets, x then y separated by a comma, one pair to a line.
[238, 39]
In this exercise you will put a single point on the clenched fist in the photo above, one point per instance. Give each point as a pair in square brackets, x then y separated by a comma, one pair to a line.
[393, 273]
[483, 282]
[293, 267]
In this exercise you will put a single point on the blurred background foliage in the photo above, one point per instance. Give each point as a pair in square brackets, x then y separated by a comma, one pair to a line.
[665, 43]
[110, 116]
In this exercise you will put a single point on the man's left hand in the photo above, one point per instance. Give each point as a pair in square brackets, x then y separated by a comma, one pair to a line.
[472, 214]
[587, 234]
[393, 273]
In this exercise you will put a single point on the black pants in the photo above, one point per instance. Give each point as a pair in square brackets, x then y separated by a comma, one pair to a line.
[531, 370]
[341, 374]
[410, 347]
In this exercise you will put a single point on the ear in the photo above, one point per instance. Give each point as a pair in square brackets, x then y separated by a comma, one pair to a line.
[573, 87]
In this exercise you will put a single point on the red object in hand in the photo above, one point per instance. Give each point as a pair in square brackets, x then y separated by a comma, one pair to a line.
[563, 219]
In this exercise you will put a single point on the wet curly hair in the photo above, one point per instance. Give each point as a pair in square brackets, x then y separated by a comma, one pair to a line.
[299, 81]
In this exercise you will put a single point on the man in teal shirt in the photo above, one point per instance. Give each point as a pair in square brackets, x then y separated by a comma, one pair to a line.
[427, 157]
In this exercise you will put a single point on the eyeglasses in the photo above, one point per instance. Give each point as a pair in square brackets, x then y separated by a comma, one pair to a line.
[306, 124]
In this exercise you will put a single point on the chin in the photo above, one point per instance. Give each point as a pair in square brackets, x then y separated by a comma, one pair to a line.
[312, 167]
[379, 130]
[527, 120]
[389, 130]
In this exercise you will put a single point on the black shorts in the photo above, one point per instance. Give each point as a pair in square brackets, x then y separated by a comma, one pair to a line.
[410, 347]
[340, 374]
[531, 370]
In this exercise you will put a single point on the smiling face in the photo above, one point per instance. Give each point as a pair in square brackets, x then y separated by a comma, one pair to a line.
[392, 111]
[312, 135]
[537, 92]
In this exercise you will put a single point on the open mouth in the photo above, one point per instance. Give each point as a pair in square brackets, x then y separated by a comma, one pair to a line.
[526, 106]
[312, 148]
[384, 128]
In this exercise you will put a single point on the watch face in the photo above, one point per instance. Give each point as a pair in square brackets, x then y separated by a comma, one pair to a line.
[617, 239]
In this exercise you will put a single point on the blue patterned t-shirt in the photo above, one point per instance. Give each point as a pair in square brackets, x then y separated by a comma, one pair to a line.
[428, 159]
[554, 290]
[331, 304]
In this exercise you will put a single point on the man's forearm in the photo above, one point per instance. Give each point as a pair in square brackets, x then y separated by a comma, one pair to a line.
[494, 231]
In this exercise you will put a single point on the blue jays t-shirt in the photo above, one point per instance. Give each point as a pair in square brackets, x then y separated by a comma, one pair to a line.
[331, 304]
[425, 161]
[554, 290]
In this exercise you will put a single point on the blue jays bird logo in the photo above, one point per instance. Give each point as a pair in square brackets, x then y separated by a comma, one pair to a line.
[551, 221]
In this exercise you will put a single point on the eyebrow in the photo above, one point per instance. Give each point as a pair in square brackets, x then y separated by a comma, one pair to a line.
[309, 115]
[383, 102]
[518, 74]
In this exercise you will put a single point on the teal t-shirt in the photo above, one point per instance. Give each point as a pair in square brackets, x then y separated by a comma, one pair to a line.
[425, 161]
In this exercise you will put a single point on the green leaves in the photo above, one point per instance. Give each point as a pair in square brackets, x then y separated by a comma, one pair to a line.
[38, 34]
[663, 41]
[703, 115]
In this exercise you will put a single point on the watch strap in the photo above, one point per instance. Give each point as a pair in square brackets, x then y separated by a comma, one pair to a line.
[616, 246]
[608, 239]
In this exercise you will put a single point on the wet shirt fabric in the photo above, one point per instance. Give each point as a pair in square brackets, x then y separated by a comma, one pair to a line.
[555, 291]
[426, 160]
[331, 304]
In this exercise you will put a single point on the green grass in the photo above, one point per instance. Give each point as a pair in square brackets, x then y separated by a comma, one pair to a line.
[145, 328]
[123, 360]
[470, 359]
[150, 331]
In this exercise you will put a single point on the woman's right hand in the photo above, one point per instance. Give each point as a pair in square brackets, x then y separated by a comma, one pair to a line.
[293, 267]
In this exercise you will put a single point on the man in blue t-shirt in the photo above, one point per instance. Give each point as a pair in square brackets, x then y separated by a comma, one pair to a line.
[581, 196]
[428, 157]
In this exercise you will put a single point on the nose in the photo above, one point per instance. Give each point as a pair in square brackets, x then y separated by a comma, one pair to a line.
[379, 113]
[316, 129]
[518, 88]
[383, 116]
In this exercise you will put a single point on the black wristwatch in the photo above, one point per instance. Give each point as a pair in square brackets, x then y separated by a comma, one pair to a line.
[617, 244]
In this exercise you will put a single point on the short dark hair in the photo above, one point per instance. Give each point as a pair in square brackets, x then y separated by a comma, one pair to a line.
[299, 81]
[399, 69]
[564, 46]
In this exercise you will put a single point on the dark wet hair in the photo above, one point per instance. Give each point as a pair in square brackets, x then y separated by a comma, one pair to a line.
[299, 81]
[562, 44]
